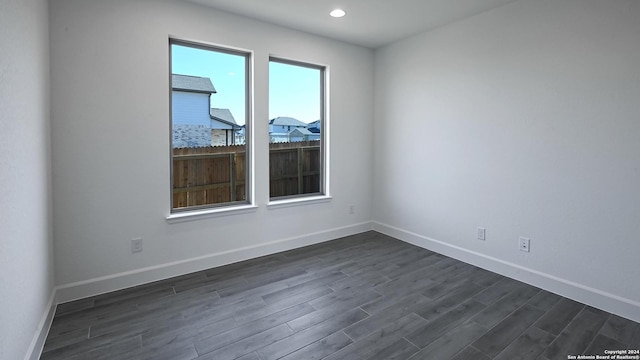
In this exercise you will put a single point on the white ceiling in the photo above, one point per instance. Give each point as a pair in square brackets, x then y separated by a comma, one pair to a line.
[370, 23]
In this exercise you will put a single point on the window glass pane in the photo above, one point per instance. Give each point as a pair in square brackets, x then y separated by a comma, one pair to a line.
[208, 126]
[295, 129]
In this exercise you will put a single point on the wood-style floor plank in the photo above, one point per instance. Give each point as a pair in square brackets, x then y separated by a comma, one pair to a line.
[509, 329]
[577, 336]
[528, 346]
[470, 353]
[452, 342]
[321, 349]
[559, 316]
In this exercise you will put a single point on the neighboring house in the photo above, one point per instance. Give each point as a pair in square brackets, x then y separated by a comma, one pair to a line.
[301, 134]
[280, 127]
[241, 135]
[314, 128]
[190, 103]
[223, 127]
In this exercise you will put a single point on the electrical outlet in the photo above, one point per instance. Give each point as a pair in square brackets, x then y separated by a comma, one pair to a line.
[524, 244]
[136, 245]
[352, 209]
[482, 232]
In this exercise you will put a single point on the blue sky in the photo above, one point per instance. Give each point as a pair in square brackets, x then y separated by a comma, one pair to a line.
[294, 91]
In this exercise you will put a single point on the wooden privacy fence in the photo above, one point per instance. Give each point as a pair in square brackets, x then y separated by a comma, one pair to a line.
[202, 177]
[294, 171]
[213, 175]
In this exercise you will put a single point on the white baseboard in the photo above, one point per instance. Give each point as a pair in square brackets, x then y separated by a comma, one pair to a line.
[621, 306]
[91, 287]
[37, 343]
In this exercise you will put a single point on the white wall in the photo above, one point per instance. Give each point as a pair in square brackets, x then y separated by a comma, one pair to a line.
[524, 120]
[26, 268]
[109, 62]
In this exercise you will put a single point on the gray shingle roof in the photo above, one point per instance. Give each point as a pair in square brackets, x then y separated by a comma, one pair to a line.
[224, 115]
[192, 83]
[287, 121]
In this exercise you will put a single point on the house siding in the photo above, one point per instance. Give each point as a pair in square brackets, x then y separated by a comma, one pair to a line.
[190, 108]
[190, 118]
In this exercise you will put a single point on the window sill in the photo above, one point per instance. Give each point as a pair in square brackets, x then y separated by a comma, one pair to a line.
[210, 213]
[276, 204]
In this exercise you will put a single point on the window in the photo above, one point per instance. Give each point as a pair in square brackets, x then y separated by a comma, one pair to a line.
[209, 112]
[296, 113]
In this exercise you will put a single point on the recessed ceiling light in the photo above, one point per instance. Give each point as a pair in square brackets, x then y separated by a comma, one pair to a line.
[338, 13]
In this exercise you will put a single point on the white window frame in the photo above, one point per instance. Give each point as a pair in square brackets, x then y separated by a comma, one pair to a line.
[228, 208]
[324, 195]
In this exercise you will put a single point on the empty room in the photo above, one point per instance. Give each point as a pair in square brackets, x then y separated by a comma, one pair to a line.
[351, 179]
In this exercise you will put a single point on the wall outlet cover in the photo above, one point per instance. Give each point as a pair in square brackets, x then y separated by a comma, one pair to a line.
[136, 245]
[482, 234]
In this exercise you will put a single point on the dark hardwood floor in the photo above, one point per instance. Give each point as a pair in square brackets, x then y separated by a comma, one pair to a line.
[367, 296]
